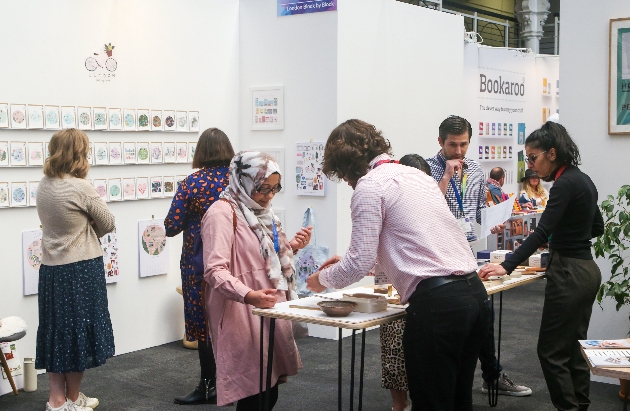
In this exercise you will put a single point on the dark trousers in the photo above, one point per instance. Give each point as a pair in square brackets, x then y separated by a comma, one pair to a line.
[572, 285]
[445, 329]
[251, 403]
[206, 361]
[490, 367]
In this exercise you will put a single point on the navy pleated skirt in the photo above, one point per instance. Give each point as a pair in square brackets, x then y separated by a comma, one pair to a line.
[75, 330]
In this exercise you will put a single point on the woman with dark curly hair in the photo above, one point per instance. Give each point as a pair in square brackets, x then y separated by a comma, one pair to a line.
[569, 222]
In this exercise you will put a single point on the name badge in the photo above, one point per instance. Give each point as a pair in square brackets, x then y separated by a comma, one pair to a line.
[464, 224]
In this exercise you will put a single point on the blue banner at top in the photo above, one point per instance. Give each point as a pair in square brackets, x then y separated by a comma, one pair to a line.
[290, 7]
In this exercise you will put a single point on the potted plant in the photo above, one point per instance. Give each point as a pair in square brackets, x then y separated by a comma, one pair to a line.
[613, 244]
[109, 49]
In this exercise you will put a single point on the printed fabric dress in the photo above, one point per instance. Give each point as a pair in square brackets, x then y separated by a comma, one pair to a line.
[194, 196]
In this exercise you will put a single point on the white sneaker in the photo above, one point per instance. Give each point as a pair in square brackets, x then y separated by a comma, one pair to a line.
[85, 401]
[68, 406]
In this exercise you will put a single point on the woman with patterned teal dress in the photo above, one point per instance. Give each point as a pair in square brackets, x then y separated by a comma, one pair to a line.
[194, 196]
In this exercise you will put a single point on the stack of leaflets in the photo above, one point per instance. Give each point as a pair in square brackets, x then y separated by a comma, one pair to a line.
[607, 353]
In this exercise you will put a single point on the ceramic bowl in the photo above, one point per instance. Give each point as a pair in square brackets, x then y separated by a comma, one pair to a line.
[337, 308]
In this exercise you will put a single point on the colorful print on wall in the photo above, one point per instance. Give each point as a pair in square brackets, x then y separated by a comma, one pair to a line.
[144, 156]
[31, 260]
[109, 245]
[18, 116]
[619, 77]
[51, 118]
[115, 119]
[169, 120]
[193, 120]
[153, 248]
[35, 154]
[35, 116]
[115, 153]
[4, 115]
[100, 186]
[115, 189]
[309, 179]
[129, 119]
[267, 108]
[68, 117]
[19, 194]
[5, 195]
[4, 153]
[155, 150]
[84, 117]
[156, 120]
[182, 152]
[169, 150]
[32, 193]
[100, 118]
[144, 120]
[169, 186]
[192, 147]
[142, 188]
[18, 153]
[181, 118]
[129, 188]
[129, 149]
[101, 153]
[157, 189]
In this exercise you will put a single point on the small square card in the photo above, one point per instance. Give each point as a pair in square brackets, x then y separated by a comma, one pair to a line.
[115, 119]
[191, 151]
[129, 119]
[4, 195]
[18, 153]
[35, 116]
[18, 115]
[4, 115]
[169, 120]
[51, 118]
[169, 186]
[100, 186]
[101, 155]
[84, 115]
[115, 153]
[142, 187]
[178, 181]
[68, 117]
[156, 120]
[169, 152]
[156, 187]
[182, 152]
[143, 120]
[4, 153]
[182, 121]
[32, 193]
[156, 153]
[193, 120]
[35, 154]
[19, 195]
[129, 149]
[99, 118]
[143, 153]
[129, 188]
[115, 190]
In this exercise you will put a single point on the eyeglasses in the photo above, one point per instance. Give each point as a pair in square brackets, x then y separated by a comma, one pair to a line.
[532, 158]
[267, 190]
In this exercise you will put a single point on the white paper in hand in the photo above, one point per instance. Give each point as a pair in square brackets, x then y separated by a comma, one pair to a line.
[495, 215]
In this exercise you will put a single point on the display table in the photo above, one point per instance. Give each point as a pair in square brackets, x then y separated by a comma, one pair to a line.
[355, 321]
[623, 373]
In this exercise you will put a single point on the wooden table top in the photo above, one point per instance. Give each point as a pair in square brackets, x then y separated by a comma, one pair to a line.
[612, 372]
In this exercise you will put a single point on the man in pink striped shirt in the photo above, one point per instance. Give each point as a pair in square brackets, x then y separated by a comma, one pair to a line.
[401, 219]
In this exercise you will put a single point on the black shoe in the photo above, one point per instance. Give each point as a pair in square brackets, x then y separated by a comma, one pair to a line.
[204, 393]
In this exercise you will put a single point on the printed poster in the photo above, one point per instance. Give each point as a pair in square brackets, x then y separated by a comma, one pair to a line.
[109, 245]
[291, 7]
[620, 79]
[31, 260]
[153, 248]
[309, 179]
[267, 108]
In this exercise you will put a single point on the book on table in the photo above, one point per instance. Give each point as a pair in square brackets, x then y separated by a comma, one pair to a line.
[604, 344]
[608, 358]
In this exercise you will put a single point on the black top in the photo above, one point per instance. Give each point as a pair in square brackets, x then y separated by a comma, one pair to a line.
[571, 219]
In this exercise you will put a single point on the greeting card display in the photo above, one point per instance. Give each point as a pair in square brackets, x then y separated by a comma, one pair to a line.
[99, 118]
[182, 152]
[156, 120]
[18, 153]
[169, 186]
[19, 195]
[4, 153]
[101, 188]
[131, 156]
[169, 150]
[115, 189]
[4, 115]
[182, 121]
[193, 120]
[36, 154]
[5, 195]
[129, 188]
[129, 119]
[18, 115]
[68, 117]
[143, 153]
[169, 120]
[84, 117]
[156, 153]
[144, 120]
[35, 116]
[115, 153]
[156, 187]
[115, 119]
[101, 153]
[32, 193]
[142, 187]
[52, 118]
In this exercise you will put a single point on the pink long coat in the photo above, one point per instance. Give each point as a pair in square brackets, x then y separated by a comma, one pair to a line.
[234, 267]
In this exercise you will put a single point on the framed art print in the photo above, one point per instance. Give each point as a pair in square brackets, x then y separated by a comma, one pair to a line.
[115, 189]
[182, 152]
[99, 116]
[129, 188]
[4, 115]
[142, 187]
[156, 187]
[68, 117]
[156, 120]
[181, 120]
[4, 153]
[192, 146]
[143, 120]
[19, 195]
[32, 193]
[84, 117]
[170, 156]
[619, 77]
[267, 108]
[18, 153]
[115, 118]
[35, 154]
[129, 119]
[18, 116]
[169, 186]
[115, 153]
[5, 194]
[101, 154]
[100, 186]
[156, 153]
[193, 121]
[51, 118]
[35, 116]
[143, 153]
[169, 120]
[129, 150]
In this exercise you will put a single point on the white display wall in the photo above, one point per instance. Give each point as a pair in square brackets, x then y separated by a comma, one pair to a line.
[169, 57]
[584, 71]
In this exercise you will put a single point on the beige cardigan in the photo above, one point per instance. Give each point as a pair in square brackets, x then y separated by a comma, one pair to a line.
[65, 207]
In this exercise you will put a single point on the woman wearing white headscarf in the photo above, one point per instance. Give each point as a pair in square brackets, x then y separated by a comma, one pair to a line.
[248, 261]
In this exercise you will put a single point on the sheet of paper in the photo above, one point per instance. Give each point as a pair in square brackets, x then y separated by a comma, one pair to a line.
[492, 216]
[608, 358]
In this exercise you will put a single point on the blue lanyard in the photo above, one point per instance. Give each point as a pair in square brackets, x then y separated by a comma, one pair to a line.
[276, 245]
[457, 195]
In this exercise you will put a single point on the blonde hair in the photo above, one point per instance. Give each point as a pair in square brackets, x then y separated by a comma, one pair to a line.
[539, 191]
[68, 154]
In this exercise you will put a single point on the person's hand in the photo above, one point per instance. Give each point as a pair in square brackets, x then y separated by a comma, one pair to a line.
[497, 228]
[262, 298]
[313, 284]
[452, 167]
[528, 205]
[331, 261]
[302, 238]
[491, 270]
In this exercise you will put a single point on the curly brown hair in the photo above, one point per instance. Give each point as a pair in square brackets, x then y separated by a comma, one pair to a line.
[350, 148]
[68, 154]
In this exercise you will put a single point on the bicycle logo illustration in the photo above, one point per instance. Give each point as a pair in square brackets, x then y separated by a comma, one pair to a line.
[109, 63]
